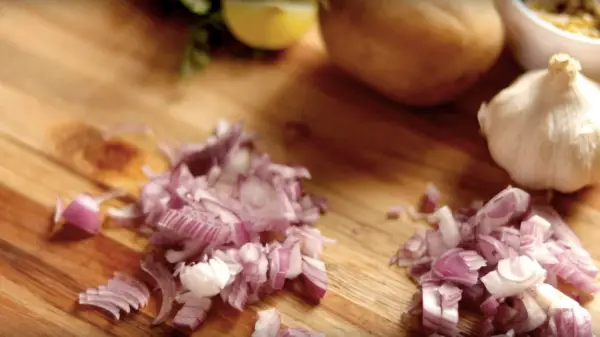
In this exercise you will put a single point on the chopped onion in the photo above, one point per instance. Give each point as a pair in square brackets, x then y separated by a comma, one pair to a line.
[210, 214]
[122, 292]
[448, 227]
[508, 205]
[501, 257]
[267, 324]
[439, 316]
[83, 212]
[205, 279]
[536, 316]
[166, 283]
[458, 266]
[513, 276]
[315, 277]
[193, 312]
[491, 249]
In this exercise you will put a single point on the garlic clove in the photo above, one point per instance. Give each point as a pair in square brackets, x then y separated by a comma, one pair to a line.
[544, 128]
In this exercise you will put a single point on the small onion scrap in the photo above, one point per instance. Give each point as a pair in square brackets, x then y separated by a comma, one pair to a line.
[84, 211]
[506, 256]
[209, 217]
[268, 324]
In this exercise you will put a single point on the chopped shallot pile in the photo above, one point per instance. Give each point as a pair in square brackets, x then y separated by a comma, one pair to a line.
[224, 221]
[506, 256]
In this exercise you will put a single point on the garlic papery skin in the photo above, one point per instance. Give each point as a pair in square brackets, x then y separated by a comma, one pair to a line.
[544, 129]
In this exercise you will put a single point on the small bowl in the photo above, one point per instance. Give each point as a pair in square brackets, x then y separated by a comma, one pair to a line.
[534, 40]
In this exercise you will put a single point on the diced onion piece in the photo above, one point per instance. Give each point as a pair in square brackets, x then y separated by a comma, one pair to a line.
[448, 227]
[575, 322]
[513, 276]
[412, 252]
[491, 249]
[459, 266]
[295, 260]
[437, 316]
[536, 316]
[279, 264]
[205, 279]
[83, 212]
[536, 226]
[267, 324]
[560, 229]
[550, 298]
[435, 243]
[193, 312]
[508, 205]
[315, 277]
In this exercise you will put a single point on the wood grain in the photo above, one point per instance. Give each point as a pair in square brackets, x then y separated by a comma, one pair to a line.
[68, 66]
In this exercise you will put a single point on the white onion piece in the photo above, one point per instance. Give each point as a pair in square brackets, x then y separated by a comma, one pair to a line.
[205, 279]
[518, 269]
[448, 227]
[267, 324]
[513, 276]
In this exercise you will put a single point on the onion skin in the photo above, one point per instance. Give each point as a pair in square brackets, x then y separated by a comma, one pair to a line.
[417, 52]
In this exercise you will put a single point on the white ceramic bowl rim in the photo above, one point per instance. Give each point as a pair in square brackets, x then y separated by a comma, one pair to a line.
[549, 26]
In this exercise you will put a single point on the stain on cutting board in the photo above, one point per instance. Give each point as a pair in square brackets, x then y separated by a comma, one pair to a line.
[116, 161]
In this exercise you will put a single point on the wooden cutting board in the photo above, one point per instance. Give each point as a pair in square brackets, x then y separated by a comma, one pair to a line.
[71, 68]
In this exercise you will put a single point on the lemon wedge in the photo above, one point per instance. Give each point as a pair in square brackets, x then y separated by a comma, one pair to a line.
[271, 24]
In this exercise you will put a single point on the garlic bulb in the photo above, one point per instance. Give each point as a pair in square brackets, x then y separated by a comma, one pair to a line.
[544, 129]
